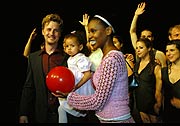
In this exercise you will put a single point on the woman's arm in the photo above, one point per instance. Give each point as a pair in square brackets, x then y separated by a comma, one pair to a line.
[158, 91]
[129, 63]
[133, 34]
[98, 99]
[175, 102]
[27, 48]
[85, 23]
[161, 57]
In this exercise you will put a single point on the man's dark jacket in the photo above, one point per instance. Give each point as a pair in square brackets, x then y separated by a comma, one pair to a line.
[35, 89]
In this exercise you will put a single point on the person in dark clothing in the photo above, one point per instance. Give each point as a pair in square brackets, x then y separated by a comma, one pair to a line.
[37, 104]
[146, 33]
[148, 94]
[171, 83]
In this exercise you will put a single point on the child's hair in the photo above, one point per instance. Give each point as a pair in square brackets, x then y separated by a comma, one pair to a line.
[81, 38]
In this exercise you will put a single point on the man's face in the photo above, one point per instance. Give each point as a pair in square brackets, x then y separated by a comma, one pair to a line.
[175, 34]
[51, 32]
[147, 34]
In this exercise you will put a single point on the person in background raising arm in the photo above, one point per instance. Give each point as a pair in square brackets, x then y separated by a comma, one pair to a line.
[146, 33]
[27, 48]
[174, 32]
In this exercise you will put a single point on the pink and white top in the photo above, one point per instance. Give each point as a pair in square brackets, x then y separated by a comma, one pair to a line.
[110, 99]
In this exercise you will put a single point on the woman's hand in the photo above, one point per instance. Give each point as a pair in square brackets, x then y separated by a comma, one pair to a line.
[85, 20]
[175, 102]
[33, 34]
[140, 8]
[60, 94]
[129, 57]
[157, 108]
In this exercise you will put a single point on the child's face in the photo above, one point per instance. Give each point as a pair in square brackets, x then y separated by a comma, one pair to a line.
[72, 46]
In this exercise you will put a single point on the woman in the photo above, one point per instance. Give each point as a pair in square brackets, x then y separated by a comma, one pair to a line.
[110, 100]
[171, 82]
[148, 73]
[146, 33]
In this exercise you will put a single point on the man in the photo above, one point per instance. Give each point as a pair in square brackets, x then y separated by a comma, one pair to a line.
[174, 32]
[37, 104]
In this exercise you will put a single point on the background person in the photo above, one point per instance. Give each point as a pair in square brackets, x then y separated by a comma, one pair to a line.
[171, 83]
[148, 94]
[174, 32]
[146, 33]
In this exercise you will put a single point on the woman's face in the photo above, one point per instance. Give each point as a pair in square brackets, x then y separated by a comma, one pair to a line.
[97, 34]
[141, 49]
[117, 43]
[172, 53]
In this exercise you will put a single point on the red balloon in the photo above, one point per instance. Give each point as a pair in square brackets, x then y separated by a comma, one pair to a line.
[60, 78]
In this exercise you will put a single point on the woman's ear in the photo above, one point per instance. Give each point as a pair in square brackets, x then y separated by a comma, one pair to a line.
[109, 30]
